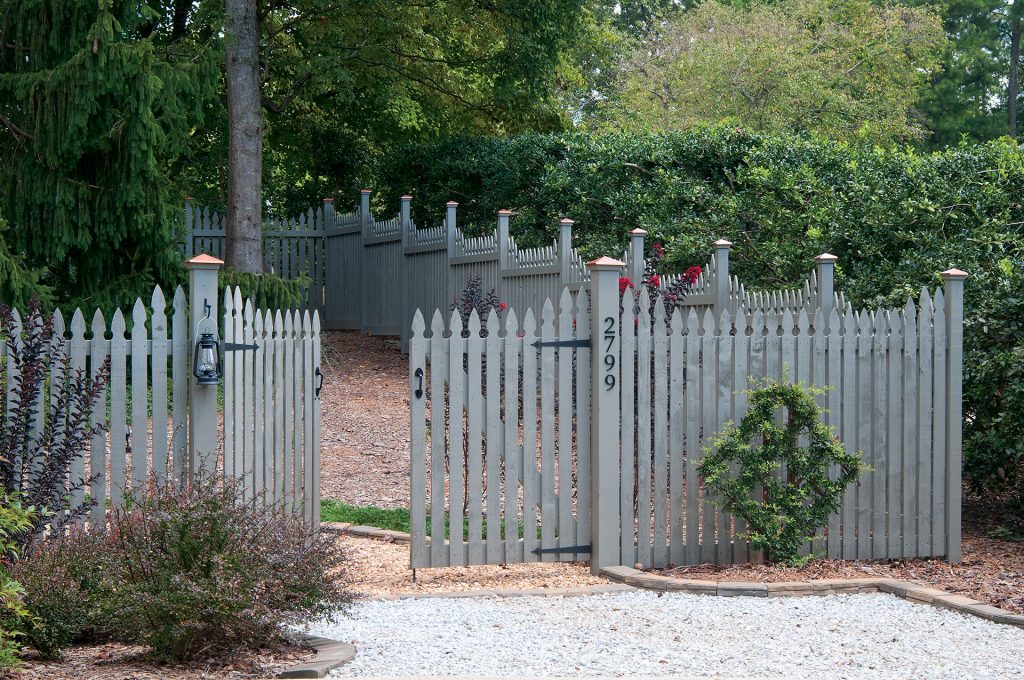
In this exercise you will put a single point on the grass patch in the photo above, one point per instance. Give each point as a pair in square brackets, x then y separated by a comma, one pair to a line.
[394, 519]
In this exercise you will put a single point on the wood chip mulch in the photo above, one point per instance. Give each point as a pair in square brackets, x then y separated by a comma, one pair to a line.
[129, 662]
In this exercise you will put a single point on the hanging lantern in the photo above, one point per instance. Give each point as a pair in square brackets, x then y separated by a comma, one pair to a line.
[206, 362]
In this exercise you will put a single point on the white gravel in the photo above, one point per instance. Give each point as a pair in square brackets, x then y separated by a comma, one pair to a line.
[642, 634]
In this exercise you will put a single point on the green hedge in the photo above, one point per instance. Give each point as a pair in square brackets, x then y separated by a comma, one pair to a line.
[894, 217]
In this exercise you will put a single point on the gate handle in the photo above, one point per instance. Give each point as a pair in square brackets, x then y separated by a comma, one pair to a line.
[419, 390]
[320, 385]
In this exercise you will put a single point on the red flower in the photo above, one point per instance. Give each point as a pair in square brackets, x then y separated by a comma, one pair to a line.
[502, 306]
[692, 274]
[624, 283]
[654, 281]
[659, 250]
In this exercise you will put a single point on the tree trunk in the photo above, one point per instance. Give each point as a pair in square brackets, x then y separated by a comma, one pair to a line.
[244, 251]
[1013, 87]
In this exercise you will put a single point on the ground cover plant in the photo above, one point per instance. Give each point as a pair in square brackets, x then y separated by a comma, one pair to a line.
[790, 464]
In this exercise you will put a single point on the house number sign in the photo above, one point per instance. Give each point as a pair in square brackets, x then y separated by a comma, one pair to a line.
[609, 355]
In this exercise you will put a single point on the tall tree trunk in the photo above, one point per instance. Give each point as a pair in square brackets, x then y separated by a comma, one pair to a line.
[1013, 87]
[244, 250]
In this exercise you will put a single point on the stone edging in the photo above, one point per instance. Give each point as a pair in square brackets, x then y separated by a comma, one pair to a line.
[905, 589]
[602, 589]
[329, 655]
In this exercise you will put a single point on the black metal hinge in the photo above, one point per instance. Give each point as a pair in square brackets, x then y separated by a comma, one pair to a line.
[566, 549]
[584, 342]
[238, 346]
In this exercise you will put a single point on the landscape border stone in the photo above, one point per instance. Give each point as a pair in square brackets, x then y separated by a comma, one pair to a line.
[631, 578]
[329, 655]
[832, 586]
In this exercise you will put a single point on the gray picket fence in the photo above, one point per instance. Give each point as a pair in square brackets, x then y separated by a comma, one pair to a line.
[595, 444]
[158, 424]
[370, 275]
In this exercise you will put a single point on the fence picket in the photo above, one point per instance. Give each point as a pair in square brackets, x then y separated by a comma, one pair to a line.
[456, 407]
[98, 444]
[495, 440]
[693, 415]
[643, 430]
[531, 478]
[438, 370]
[76, 349]
[137, 442]
[566, 525]
[660, 403]
[418, 349]
[118, 415]
[513, 455]
[179, 383]
[288, 388]
[247, 431]
[159, 385]
[677, 465]
[924, 450]
[548, 501]
[583, 503]
[834, 380]
[894, 412]
[938, 481]
[627, 359]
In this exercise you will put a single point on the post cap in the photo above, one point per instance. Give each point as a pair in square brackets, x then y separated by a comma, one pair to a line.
[328, 200]
[826, 258]
[603, 263]
[366, 191]
[566, 222]
[638, 232]
[204, 261]
[189, 198]
[406, 197]
[722, 243]
[451, 204]
[954, 274]
[505, 212]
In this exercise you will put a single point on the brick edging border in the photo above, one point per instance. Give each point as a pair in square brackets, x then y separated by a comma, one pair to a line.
[329, 655]
[833, 586]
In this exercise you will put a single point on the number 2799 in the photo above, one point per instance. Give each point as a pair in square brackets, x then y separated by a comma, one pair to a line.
[609, 356]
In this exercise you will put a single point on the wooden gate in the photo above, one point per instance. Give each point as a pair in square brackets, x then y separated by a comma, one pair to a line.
[272, 383]
[500, 437]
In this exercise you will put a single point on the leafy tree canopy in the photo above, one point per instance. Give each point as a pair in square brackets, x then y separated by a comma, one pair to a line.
[843, 68]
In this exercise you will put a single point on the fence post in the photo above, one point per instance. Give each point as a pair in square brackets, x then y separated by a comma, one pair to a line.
[449, 226]
[826, 265]
[954, 294]
[189, 227]
[202, 420]
[721, 276]
[364, 210]
[636, 256]
[565, 249]
[406, 219]
[503, 261]
[605, 413]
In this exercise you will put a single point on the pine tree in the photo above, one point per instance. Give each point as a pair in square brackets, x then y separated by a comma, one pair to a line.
[95, 114]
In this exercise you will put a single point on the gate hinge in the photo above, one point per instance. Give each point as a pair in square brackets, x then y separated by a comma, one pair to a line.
[238, 346]
[566, 549]
[583, 342]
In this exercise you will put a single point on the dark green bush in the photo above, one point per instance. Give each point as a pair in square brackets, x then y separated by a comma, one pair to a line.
[267, 291]
[792, 506]
[894, 217]
[203, 572]
[15, 519]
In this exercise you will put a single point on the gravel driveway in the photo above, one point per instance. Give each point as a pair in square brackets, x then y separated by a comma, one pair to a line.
[631, 634]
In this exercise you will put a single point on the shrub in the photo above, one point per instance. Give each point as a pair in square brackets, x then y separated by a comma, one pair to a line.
[38, 462]
[203, 572]
[15, 520]
[267, 291]
[790, 510]
[474, 298]
[893, 217]
[70, 591]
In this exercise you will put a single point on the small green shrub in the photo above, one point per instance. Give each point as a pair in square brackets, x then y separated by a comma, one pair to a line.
[15, 520]
[791, 508]
[201, 571]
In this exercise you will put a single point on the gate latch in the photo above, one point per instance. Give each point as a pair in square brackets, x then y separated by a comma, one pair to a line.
[320, 382]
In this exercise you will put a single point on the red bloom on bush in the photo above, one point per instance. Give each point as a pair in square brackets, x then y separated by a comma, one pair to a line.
[659, 250]
[502, 306]
[692, 274]
[624, 283]
[655, 281]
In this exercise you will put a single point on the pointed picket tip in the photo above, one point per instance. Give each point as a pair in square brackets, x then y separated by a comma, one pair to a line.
[248, 311]
[306, 322]
[803, 322]
[437, 325]
[707, 325]
[58, 322]
[565, 303]
[940, 300]
[833, 321]
[316, 323]
[926, 303]
[117, 324]
[529, 323]
[98, 324]
[788, 320]
[78, 323]
[724, 323]
[289, 322]
[279, 323]
[139, 310]
[228, 302]
[455, 323]
[268, 325]
[547, 313]
[179, 296]
[493, 324]
[418, 325]
[238, 297]
[511, 324]
[158, 301]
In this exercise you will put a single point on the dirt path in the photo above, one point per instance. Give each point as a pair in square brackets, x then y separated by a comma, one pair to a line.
[365, 454]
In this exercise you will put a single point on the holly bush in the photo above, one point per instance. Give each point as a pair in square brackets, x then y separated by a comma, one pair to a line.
[797, 493]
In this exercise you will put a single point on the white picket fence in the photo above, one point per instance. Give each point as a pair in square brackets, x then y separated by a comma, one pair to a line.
[158, 424]
[597, 444]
